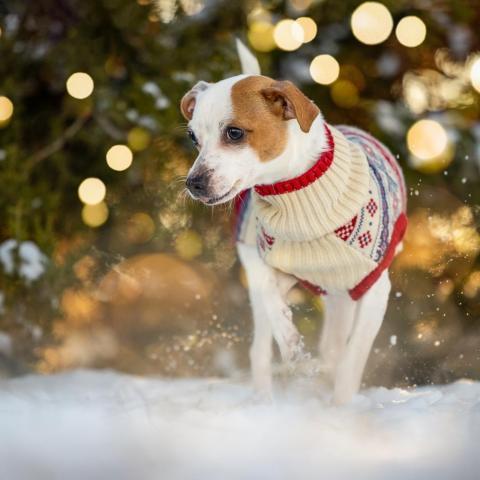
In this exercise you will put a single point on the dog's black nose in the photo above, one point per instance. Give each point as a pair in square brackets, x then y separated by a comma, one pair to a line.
[198, 184]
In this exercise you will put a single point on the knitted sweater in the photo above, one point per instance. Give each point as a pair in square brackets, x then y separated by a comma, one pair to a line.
[335, 227]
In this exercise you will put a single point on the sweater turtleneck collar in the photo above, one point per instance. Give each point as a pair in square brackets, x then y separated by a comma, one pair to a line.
[319, 168]
[317, 202]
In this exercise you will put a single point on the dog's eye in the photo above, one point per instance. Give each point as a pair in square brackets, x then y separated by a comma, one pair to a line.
[234, 134]
[192, 137]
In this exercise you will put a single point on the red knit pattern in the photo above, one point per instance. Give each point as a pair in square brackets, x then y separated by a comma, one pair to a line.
[372, 277]
[302, 181]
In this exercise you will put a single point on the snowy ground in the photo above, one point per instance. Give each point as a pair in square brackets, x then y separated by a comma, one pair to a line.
[104, 425]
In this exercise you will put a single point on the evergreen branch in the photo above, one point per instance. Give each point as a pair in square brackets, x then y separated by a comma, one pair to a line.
[59, 143]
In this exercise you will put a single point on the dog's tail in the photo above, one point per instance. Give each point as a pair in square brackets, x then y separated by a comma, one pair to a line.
[250, 65]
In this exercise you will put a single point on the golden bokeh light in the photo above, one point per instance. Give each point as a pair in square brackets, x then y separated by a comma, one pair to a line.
[260, 36]
[259, 14]
[475, 74]
[6, 109]
[427, 139]
[92, 191]
[138, 139]
[288, 35]
[344, 93]
[140, 228]
[411, 31]
[95, 215]
[371, 23]
[300, 5]
[119, 157]
[324, 69]
[309, 28]
[80, 85]
[188, 244]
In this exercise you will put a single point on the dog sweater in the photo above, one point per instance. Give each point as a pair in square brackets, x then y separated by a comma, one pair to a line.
[335, 227]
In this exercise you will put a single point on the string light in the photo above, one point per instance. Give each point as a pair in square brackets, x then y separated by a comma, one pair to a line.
[427, 139]
[371, 23]
[92, 191]
[119, 157]
[288, 35]
[309, 28]
[6, 109]
[411, 31]
[324, 69]
[475, 74]
[95, 215]
[80, 85]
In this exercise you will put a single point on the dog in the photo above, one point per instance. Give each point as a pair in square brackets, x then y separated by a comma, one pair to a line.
[318, 205]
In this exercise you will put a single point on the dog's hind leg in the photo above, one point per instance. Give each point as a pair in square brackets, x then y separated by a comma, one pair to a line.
[339, 315]
[369, 313]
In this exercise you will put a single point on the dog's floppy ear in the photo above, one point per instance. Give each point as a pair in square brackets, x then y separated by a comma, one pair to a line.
[187, 104]
[287, 100]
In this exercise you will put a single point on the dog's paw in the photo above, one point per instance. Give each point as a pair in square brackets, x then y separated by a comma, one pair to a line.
[289, 340]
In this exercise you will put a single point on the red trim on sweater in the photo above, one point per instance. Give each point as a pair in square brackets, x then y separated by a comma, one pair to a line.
[316, 290]
[302, 181]
[397, 235]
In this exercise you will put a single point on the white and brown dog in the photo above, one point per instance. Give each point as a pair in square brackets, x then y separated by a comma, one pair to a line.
[318, 205]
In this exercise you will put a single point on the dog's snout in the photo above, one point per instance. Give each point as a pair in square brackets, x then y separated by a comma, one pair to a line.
[198, 184]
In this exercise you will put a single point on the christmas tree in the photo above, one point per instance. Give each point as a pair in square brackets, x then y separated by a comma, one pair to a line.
[104, 261]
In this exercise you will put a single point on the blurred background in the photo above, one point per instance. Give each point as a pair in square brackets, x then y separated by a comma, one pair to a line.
[106, 263]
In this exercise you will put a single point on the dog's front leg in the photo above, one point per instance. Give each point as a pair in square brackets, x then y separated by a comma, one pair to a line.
[271, 316]
[261, 349]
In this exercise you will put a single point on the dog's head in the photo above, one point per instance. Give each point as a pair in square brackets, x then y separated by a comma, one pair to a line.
[241, 126]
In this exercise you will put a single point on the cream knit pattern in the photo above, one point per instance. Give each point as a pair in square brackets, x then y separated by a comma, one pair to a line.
[336, 226]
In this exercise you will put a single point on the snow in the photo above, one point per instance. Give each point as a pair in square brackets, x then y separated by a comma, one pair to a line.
[104, 425]
[32, 261]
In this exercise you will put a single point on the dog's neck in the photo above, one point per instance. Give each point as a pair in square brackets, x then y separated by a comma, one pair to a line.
[301, 153]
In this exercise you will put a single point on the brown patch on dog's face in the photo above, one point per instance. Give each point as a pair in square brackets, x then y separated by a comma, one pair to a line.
[266, 130]
[260, 107]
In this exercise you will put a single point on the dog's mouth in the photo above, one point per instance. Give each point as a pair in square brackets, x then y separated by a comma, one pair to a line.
[224, 197]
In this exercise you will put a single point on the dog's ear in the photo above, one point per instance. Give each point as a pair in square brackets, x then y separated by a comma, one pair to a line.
[286, 100]
[187, 104]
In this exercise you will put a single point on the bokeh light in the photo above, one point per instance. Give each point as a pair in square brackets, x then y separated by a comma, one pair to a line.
[260, 36]
[371, 23]
[95, 215]
[309, 28]
[344, 93]
[427, 140]
[138, 139]
[80, 85]
[288, 35]
[300, 5]
[188, 244]
[411, 31]
[324, 69]
[92, 191]
[140, 228]
[6, 109]
[475, 74]
[119, 157]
